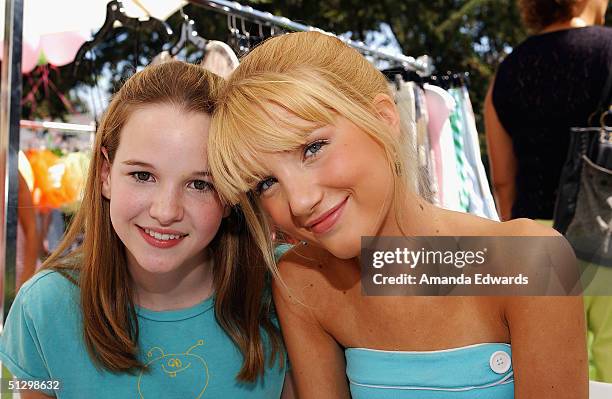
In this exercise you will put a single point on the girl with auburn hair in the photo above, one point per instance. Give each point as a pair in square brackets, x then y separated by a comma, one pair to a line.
[166, 296]
[307, 132]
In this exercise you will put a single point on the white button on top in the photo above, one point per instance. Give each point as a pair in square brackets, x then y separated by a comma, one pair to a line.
[500, 362]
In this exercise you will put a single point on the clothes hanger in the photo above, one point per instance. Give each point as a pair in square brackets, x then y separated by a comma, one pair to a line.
[188, 35]
[115, 13]
[406, 74]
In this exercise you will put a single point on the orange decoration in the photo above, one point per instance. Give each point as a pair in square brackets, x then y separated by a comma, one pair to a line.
[57, 182]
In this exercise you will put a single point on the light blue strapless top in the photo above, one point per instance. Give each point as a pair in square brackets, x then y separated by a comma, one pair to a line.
[475, 372]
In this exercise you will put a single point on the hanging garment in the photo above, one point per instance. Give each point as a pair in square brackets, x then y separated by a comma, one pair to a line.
[424, 147]
[474, 194]
[404, 99]
[162, 57]
[440, 105]
[219, 58]
[413, 117]
[481, 198]
[463, 168]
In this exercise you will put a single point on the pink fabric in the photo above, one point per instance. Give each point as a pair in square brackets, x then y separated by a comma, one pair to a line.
[57, 48]
[438, 111]
[60, 48]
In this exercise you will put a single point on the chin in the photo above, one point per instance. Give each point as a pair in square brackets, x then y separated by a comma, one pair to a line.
[344, 251]
[155, 266]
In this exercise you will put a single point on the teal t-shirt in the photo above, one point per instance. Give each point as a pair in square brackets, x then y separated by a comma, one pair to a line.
[188, 354]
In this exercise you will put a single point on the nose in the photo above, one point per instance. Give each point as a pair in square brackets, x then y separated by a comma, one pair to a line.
[166, 206]
[303, 197]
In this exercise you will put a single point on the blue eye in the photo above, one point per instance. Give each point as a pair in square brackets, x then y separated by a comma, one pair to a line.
[141, 177]
[265, 184]
[312, 149]
[201, 185]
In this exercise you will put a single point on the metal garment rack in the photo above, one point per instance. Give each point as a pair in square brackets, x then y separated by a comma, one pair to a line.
[422, 66]
[10, 109]
[59, 126]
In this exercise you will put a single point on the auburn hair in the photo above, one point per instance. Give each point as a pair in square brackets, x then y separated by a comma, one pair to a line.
[538, 14]
[98, 266]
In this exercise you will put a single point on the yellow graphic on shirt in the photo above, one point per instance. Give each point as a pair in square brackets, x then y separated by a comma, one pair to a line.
[173, 373]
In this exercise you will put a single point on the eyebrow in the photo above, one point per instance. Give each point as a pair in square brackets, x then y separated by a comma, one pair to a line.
[137, 163]
[204, 173]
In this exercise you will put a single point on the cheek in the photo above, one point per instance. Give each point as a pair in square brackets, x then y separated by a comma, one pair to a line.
[279, 213]
[207, 216]
[341, 170]
[126, 202]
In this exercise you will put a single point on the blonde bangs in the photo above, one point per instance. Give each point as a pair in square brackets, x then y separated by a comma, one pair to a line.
[261, 115]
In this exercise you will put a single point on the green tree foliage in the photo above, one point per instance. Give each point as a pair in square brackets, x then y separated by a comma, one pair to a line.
[460, 35]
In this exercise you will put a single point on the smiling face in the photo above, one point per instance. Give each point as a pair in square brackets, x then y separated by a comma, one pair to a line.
[332, 190]
[163, 206]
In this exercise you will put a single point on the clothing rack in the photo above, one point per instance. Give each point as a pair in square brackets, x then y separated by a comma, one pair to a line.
[422, 65]
[58, 126]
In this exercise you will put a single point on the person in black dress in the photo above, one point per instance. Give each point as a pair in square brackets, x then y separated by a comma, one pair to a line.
[549, 83]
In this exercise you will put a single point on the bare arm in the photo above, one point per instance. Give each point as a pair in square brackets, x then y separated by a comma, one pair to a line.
[27, 219]
[548, 337]
[289, 387]
[317, 361]
[502, 159]
[549, 353]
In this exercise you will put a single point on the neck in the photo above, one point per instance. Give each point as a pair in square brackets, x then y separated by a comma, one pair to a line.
[419, 218]
[575, 22]
[177, 289]
[588, 13]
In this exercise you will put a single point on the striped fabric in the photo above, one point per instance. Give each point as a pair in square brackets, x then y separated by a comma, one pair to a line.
[456, 124]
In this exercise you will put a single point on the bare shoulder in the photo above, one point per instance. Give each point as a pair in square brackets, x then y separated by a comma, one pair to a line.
[559, 256]
[465, 224]
[515, 227]
[303, 261]
[528, 228]
[303, 269]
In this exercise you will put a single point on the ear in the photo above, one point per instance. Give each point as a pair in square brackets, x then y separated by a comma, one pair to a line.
[387, 111]
[105, 174]
[227, 210]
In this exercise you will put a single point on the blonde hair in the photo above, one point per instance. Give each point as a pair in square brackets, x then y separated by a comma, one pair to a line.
[314, 77]
[99, 265]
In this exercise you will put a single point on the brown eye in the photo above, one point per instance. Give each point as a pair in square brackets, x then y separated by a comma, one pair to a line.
[201, 185]
[141, 176]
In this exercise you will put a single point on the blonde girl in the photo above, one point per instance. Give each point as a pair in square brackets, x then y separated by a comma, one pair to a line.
[308, 133]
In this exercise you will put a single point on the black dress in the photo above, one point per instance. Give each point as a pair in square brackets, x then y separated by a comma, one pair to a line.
[549, 83]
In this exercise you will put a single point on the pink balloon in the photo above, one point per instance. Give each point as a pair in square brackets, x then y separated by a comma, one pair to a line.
[30, 51]
[60, 48]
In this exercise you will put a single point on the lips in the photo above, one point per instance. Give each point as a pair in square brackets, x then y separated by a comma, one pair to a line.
[161, 238]
[325, 222]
